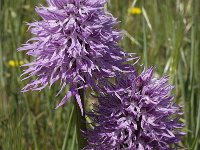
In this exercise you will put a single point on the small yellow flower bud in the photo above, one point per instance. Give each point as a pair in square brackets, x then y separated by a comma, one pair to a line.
[135, 11]
[12, 63]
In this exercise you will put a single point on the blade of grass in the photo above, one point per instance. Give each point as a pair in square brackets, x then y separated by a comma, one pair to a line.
[73, 145]
[146, 18]
[144, 40]
[31, 125]
[131, 38]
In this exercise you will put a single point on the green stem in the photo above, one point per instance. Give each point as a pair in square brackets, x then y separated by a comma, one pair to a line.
[80, 121]
[69, 125]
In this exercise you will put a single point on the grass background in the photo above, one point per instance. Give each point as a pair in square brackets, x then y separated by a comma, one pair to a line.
[166, 35]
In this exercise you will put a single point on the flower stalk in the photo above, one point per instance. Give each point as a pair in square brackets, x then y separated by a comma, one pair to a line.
[80, 121]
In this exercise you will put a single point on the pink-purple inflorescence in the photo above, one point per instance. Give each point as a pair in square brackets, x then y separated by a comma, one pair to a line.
[74, 43]
[136, 113]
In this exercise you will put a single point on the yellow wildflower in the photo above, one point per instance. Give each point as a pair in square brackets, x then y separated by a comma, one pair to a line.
[14, 63]
[11, 63]
[135, 11]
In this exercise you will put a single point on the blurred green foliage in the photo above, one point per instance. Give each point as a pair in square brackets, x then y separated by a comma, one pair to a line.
[166, 35]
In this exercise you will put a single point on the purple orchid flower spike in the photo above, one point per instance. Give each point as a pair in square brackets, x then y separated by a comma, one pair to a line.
[136, 113]
[74, 43]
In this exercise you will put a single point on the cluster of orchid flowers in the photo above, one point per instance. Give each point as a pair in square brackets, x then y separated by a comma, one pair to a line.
[76, 44]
